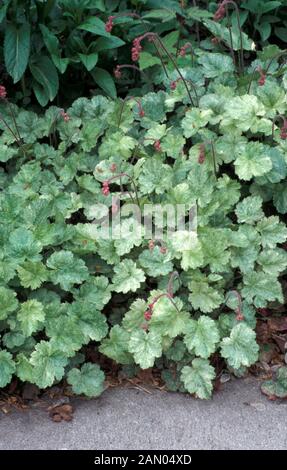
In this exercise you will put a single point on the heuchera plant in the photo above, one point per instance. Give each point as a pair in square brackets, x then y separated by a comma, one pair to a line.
[178, 303]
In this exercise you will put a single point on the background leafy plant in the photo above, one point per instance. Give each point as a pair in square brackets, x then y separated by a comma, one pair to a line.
[50, 43]
[61, 50]
[264, 20]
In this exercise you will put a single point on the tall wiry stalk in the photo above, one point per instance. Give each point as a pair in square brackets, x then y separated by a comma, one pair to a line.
[174, 83]
[219, 14]
[106, 184]
[16, 133]
[124, 101]
[231, 38]
[238, 310]
[263, 74]
[277, 56]
[110, 24]
[170, 288]
[137, 48]
[119, 67]
[283, 129]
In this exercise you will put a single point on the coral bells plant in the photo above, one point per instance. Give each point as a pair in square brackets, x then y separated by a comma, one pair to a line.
[149, 230]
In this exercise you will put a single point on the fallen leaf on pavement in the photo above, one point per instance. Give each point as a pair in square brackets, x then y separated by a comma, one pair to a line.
[62, 412]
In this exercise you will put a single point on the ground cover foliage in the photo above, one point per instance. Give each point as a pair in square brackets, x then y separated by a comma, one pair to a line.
[212, 135]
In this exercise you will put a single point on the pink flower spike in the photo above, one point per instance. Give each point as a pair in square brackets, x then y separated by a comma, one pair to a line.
[117, 72]
[3, 92]
[182, 51]
[283, 130]
[141, 111]
[201, 156]
[147, 315]
[109, 24]
[151, 245]
[173, 85]
[239, 315]
[262, 78]
[105, 188]
[65, 115]
[220, 12]
[136, 49]
[157, 145]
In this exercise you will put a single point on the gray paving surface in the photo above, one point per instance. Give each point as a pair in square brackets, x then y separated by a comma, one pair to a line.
[238, 417]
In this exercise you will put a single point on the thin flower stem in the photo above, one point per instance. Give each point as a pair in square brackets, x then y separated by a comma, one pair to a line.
[134, 153]
[231, 39]
[277, 56]
[213, 157]
[15, 134]
[213, 153]
[241, 36]
[122, 109]
[131, 180]
[52, 129]
[241, 54]
[173, 275]
[192, 54]
[194, 89]
[156, 48]
[177, 44]
[174, 64]
[127, 98]
[137, 16]
[278, 116]
[14, 120]
[10, 130]
[168, 296]
[196, 25]
[134, 67]
[161, 59]
[177, 69]
[281, 69]
[236, 293]
[255, 69]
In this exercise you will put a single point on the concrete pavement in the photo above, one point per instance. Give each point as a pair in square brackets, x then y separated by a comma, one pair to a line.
[238, 417]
